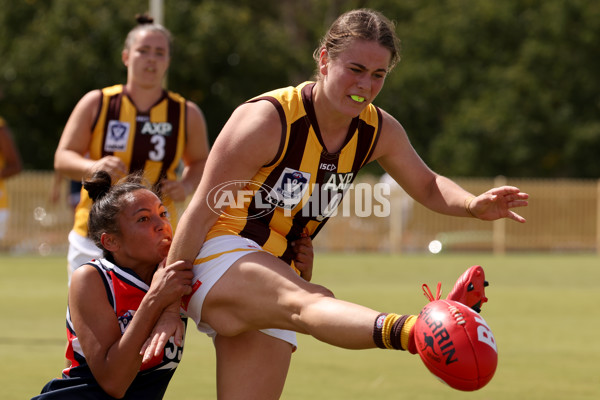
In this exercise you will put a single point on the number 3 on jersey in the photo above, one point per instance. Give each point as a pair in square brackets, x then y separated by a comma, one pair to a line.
[159, 148]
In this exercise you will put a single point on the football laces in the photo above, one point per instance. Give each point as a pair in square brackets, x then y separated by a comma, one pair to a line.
[460, 320]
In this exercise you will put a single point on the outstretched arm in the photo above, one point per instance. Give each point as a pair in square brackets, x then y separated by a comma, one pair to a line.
[436, 192]
[497, 203]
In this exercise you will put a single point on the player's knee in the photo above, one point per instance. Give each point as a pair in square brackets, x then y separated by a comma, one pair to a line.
[299, 301]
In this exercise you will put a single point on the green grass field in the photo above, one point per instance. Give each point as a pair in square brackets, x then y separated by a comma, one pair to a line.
[542, 311]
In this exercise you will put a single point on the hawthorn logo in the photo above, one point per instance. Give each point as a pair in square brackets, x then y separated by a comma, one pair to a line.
[229, 196]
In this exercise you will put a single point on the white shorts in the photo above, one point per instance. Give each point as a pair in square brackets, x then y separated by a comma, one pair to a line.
[81, 250]
[219, 254]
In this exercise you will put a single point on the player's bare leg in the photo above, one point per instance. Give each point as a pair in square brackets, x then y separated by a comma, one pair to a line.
[251, 366]
[260, 291]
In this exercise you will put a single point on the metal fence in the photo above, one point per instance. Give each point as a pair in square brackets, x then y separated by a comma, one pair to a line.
[563, 215]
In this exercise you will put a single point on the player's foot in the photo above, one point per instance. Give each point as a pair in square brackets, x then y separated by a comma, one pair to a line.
[469, 289]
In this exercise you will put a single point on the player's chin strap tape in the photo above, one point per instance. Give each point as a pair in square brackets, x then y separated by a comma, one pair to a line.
[393, 331]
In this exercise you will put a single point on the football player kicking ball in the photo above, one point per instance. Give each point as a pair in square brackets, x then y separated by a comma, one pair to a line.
[295, 147]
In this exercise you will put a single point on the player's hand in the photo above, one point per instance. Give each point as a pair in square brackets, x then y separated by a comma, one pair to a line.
[111, 164]
[496, 203]
[304, 256]
[169, 324]
[173, 189]
[172, 281]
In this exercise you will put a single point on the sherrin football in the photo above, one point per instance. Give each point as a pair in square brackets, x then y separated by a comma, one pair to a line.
[456, 344]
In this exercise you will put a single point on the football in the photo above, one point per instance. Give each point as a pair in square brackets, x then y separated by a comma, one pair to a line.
[456, 345]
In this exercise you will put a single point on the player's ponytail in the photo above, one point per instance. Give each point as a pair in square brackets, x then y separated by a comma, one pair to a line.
[145, 23]
[144, 19]
[98, 185]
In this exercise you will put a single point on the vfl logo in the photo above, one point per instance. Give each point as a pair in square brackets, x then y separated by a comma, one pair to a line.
[289, 189]
[293, 185]
[117, 136]
[117, 130]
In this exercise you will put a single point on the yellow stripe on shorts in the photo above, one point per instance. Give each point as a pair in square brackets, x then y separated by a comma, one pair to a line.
[217, 255]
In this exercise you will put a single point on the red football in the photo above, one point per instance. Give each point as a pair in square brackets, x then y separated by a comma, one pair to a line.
[456, 344]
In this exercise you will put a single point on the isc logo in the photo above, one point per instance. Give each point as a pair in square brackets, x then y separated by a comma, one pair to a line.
[327, 167]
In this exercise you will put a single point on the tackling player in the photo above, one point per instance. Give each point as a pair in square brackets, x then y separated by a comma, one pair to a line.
[114, 301]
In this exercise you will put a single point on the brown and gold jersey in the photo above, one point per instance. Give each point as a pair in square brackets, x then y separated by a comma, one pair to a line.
[151, 141]
[304, 184]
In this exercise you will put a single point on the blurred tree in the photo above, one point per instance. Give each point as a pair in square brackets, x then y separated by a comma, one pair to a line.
[483, 88]
[58, 51]
[233, 50]
[488, 88]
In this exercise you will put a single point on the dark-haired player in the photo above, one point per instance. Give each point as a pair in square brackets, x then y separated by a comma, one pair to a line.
[114, 301]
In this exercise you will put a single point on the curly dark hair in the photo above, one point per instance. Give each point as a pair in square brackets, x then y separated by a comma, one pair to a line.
[108, 202]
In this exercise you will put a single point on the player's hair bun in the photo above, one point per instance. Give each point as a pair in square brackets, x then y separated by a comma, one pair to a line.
[143, 19]
[98, 185]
